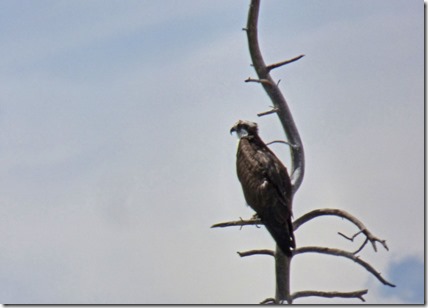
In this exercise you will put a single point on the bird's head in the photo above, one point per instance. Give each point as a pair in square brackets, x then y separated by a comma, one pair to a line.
[244, 128]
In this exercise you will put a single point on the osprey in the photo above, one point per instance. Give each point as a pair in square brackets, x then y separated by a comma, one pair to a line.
[265, 183]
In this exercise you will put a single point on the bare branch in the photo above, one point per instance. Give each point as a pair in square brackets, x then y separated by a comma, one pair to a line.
[241, 222]
[345, 254]
[340, 213]
[262, 81]
[274, 110]
[282, 141]
[311, 215]
[355, 294]
[267, 252]
[279, 64]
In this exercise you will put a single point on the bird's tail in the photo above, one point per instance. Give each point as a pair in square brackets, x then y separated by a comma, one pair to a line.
[280, 226]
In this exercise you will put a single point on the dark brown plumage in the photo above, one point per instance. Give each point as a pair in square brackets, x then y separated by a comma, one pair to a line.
[265, 183]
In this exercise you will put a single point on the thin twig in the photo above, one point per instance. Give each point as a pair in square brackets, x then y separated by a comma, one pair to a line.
[362, 246]
[241, 222]
[282, 141]
[345, 254]
[267, 252]
[262, 81]
[355, 294]
[279, 64]
[352, 237]
[273, 110]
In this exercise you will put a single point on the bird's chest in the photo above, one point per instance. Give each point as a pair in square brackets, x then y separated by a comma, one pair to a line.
[251, 171]
[250, 168]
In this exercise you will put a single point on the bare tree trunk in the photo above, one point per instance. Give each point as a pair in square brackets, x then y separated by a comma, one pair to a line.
[283, 262]
[282, 276]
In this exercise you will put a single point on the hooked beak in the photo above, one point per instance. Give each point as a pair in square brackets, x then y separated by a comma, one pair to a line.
[233, 130]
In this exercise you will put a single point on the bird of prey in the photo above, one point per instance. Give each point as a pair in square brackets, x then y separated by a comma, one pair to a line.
[265, 183]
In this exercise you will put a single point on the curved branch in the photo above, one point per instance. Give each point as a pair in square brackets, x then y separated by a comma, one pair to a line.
[343, 214]
[268, 301]
[355, 294]
[278, 100]
[361, 247]
[311, 215]
[345, 254]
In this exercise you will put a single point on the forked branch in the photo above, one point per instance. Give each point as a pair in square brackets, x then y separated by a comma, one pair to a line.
[370, 237]
[343, 214]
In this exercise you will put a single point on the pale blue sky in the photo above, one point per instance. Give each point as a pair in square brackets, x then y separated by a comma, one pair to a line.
[116, 156]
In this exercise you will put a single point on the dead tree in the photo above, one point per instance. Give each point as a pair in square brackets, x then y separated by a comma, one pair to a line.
[281, 109]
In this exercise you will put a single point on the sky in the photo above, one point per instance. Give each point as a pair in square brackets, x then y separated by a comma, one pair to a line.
[117, 157]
